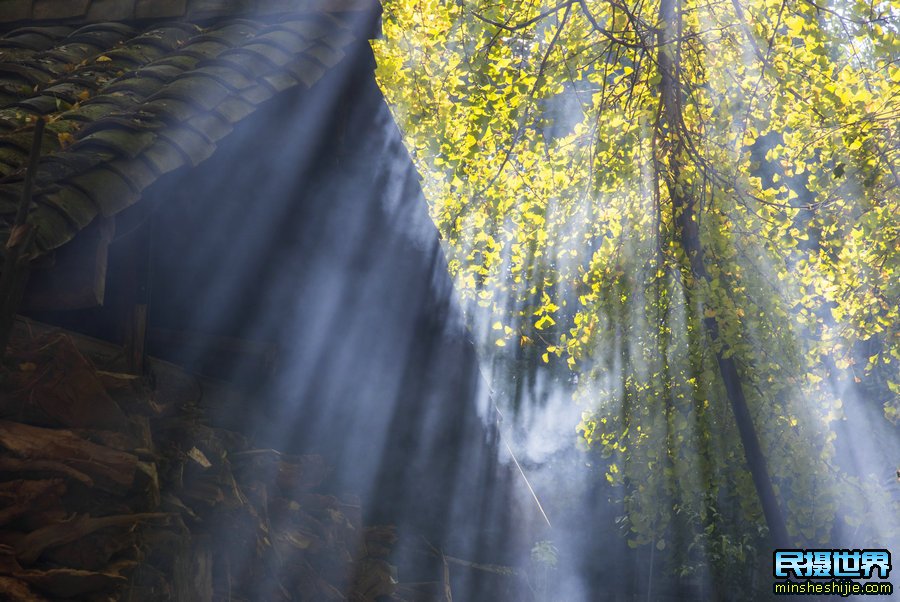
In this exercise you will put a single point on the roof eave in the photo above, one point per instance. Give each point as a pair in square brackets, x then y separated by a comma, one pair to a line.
[15, 13]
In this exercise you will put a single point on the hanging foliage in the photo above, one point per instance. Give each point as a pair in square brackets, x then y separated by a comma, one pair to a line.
[690, 209]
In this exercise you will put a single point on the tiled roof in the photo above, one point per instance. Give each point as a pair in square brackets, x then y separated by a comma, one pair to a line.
[129, 102]
[97, 11]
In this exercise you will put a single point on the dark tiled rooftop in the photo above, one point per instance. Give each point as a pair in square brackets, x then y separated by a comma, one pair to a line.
[96, 11]
[126, 102]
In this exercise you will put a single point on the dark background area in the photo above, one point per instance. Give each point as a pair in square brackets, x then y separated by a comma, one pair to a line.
[299, 264]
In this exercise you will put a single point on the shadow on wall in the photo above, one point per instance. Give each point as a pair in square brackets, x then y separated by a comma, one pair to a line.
[299, 263]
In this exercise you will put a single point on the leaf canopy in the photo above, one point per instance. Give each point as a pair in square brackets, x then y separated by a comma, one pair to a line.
[550, 165]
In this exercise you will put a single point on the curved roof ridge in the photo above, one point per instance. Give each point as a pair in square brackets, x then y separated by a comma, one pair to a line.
[125, 105]
[97, 11]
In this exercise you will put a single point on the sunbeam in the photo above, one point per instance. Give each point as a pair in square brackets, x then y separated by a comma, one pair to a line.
[660, 228]
[477, 301]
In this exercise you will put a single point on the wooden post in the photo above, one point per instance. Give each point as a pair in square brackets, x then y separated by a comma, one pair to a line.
[138, 298]
[21, 236]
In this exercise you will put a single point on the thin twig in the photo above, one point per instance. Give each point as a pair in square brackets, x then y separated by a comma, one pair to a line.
[607, 33]
[522, 472]
[524, 24]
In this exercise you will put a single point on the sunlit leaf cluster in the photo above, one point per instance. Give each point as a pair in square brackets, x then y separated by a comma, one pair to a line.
[538, 129]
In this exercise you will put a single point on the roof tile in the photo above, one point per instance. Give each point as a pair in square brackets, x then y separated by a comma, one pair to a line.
[200, 90]
[52, 227]
[140, 121]
[138, 173]
[87, 112]
[307, 29]
[133, 55]
[170, 110]
[42, 105]
[272, 53]
[234, 109]
[195, 146]
[161, 73]
[129, 105]
[19, 140]
[27, 72]
[214, 126]
[138, 85]
[163, 157]
[307, 71]
[121, 141]
[281, 80]
[68, 92]
[181, 61]
[235, 33]
[106, 188]
[227, 76]
[204, 49]
[325, 55]
[100, 37]
[122, 28]
[284, 39]
[248, 63]
[34, 39]
[258, 94]
[11, 159]
[72, 203]
[67, 164]
[93, 11]
[169, 36]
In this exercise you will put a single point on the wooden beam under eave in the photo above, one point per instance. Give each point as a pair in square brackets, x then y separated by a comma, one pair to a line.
[76, 276]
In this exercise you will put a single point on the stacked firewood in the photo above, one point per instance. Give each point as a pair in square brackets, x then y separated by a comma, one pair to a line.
[113, 489]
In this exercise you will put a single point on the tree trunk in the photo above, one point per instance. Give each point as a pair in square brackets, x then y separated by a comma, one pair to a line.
[670, 134]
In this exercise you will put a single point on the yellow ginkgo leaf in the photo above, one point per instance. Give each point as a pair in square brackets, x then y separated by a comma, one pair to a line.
[544, 322]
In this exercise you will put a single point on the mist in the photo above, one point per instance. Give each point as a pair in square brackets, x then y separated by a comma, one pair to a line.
[306, 252]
